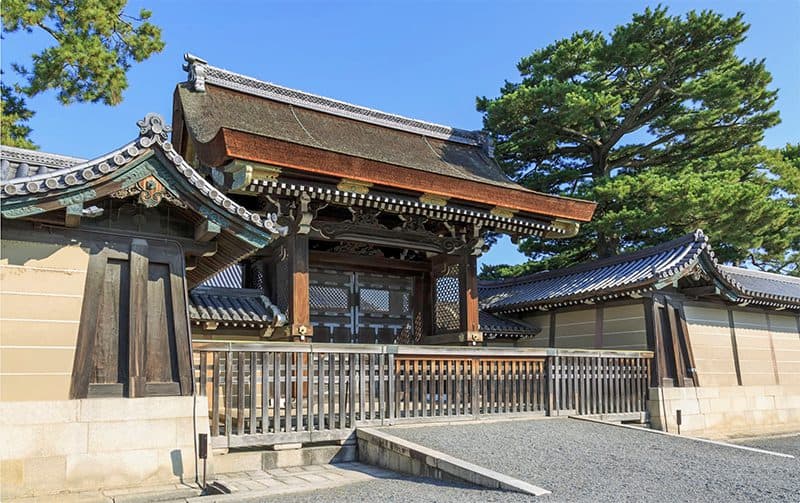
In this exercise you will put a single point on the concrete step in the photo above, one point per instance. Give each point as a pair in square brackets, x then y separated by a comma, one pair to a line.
[394, 453]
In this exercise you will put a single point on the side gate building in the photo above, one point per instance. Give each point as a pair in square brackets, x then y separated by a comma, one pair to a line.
[726, 339]
[286, 267]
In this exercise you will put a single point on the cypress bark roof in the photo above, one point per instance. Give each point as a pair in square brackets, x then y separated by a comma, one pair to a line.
[232, 116]
[206, 113]
[634, 273]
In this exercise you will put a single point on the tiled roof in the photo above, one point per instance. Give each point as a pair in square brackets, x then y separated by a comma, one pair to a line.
[494, 326]
[597, 279]
[764, 285]
[637, 272]
[20, 162]
[240, 307]
[22, 192]
[230, 277]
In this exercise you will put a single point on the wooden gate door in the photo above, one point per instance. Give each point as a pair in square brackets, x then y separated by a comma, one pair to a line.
[348, 306]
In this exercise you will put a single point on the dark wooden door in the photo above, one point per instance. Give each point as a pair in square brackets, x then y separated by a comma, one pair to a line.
[133, 338]
[363, 307]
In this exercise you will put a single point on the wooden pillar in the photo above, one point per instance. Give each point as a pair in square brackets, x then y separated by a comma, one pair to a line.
[468, 283]
[299, 326]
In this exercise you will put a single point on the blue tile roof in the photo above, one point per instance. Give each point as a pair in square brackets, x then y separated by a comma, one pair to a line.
[632, 273]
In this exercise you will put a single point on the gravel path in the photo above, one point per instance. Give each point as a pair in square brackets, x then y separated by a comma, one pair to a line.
[403, 489]
[583, 461]
[785, 444]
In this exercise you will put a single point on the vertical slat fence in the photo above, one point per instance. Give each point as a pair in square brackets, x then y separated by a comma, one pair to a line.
[271, 393]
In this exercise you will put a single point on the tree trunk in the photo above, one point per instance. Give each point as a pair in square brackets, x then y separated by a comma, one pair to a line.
[607, 246]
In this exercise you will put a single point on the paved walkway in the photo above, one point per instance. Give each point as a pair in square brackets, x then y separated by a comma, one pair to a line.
[245, 486]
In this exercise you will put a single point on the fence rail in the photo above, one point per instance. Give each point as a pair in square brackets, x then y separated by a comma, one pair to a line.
[271, 393]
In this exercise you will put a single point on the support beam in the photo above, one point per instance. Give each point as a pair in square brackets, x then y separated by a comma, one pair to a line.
[206, 231]
[74, 212]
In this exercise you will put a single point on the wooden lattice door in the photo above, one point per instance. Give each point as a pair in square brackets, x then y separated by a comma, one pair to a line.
[348, 306]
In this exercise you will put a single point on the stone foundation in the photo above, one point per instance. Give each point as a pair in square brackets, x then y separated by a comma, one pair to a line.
[726, 411]
[100, 443]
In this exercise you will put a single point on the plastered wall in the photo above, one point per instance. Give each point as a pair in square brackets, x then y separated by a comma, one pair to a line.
[623, 328]
[710, 336]
[41, 293]
[766, 343]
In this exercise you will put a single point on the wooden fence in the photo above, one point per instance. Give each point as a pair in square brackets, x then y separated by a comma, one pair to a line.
[271, 393]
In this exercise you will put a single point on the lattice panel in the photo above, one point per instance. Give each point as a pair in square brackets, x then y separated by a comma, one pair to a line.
[328, 298]
[255, 276]
[374, 301]
[447, 313]
[406, 302]
[282, 293]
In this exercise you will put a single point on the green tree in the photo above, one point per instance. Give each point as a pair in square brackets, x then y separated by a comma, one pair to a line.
[94, 44]
[659, 122]
[14, 129]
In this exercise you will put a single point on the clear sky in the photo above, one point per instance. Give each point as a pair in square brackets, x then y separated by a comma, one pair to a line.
[427, 60]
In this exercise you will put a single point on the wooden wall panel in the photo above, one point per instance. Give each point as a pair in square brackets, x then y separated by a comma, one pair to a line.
[41, 291]
[161, 355]
[786, 340]
[753, 342]
[575, 329]
[624, 327]
[710, 337]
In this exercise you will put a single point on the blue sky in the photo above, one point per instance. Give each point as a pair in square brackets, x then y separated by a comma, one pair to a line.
[427, 60]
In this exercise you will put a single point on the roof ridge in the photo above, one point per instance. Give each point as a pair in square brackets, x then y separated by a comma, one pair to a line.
[761, 274]
[200, 73]
[38, 157]
[224, 290]
[695, 237]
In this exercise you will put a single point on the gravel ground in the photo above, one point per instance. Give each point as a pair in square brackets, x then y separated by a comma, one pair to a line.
[402, 489]
[583, 461]
[789, 444]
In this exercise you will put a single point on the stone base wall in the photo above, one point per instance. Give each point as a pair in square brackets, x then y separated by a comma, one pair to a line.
[101, 443]
[726, 411]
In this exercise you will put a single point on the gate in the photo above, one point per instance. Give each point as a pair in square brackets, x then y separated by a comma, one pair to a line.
[360, 307]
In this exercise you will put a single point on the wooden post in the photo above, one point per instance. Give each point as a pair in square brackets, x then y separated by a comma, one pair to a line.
[468, 283]
[299, 326]
[137, 328]
[734, 348]
[677, 353]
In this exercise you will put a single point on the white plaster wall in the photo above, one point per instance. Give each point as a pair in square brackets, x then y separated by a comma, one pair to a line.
[101, 443]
